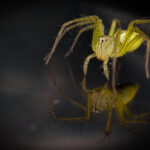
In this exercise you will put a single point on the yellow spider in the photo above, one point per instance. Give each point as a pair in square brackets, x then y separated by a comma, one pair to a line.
[115, 44]
[102, 99]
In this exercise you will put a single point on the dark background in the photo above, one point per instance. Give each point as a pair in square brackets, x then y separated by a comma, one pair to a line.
[27, 32]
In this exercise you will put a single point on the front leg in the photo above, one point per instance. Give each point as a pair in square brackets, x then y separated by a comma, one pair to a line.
[105, 68]
[86, 62]
[113, 27]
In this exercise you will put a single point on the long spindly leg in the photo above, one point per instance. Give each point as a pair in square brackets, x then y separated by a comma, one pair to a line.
[130, 30]
[147, 58]
[127, 46]
[109, 118]
[105, 68]
[77, 37]
[116, 49]
[113, 27]
[128, 34]
[73, 79]
[59, 37]
[82, 118]
[121, 110]
[62, 94]
[135, 118]
[111, 33]
[113, 82]
[147, 39]
[52, 111]
[86, 62]
[98, 31]
[120, 113]
[76, 22]
[84, 88]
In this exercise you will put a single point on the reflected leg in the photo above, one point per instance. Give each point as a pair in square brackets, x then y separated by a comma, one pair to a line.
[86, 62]
[62, 94]
[73, 79]
[109, 118]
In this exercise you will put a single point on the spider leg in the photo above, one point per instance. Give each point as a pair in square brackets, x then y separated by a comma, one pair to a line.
[122, 109]
[130, 30]
[99, 32]
[76, 21]
[52, 111]
[147, 39]
[113, 27]
[65, 27]
[86, 62]
[77, 37]
[147, 59]
[62, 94]
[128, 45]
[105, 68]
[73, 79]
[109, 118]
[113, 82]
[116, 49]
[82, 118]
[84, 88]
[120, 113]
[59, 37]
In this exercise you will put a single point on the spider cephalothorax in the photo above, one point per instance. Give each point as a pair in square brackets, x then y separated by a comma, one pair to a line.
[104, 46]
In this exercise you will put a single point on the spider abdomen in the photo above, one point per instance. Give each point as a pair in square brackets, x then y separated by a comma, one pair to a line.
[133, 42]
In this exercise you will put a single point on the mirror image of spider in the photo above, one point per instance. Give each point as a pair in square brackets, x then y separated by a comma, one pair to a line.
[117, 43]
[101, 99]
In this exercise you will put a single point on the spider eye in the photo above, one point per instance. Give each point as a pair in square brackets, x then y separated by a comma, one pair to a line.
[101, 40]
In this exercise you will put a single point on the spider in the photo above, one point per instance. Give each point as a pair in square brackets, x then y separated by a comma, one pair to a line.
[117, 43]
[102, 99]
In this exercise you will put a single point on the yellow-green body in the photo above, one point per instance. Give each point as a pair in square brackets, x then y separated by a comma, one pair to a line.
[116, 43]
[105, 46]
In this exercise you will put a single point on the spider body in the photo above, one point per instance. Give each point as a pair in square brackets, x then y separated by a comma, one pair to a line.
[117, 43]
[101, 96]
[105, 46]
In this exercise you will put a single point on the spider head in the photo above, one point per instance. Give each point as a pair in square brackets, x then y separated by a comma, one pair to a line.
[104, 47]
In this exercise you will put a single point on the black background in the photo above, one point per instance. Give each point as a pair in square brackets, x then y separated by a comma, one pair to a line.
[27, 32]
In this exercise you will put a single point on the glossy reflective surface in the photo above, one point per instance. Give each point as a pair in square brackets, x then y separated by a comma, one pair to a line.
[27, 34]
